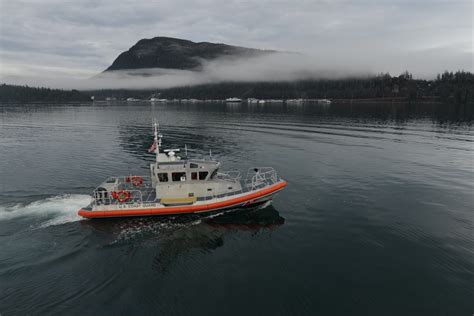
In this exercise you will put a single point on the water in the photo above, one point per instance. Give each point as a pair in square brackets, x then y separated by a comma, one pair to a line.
[377, 218]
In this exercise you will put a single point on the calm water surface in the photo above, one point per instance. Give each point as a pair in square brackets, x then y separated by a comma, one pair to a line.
[377, 218]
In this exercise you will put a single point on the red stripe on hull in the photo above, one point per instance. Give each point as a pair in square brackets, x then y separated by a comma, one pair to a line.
[184, 209]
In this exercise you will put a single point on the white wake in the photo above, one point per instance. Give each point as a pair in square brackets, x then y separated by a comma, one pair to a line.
[58, 209]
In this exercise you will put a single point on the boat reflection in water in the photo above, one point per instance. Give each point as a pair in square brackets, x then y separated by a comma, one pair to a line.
[177, 236]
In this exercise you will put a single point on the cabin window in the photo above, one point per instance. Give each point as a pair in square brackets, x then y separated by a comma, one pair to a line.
[194, 165]
[213, 174]
[163, 177]
[203, 175]
[194, 175]
[178, 176]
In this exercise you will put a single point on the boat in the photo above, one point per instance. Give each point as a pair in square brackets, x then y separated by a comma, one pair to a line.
[294, 101]
[324, 101]
[252, 100]
[233, 100]
[181, 185]
[158, 100]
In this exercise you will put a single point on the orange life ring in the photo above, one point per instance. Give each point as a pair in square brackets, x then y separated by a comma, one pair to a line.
[137, 180]
[122, 196]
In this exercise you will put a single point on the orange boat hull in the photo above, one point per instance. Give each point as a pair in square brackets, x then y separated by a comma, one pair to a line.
[247, 199]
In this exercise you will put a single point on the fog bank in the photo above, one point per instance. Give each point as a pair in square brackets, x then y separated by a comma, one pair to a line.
[270, 68]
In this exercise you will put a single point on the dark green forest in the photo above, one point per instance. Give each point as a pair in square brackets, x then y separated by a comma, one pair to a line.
[457, 87]
[11, 93]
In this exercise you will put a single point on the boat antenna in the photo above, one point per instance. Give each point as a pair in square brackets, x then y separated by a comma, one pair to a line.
[210, 154]
[157, 138]
[186, 150]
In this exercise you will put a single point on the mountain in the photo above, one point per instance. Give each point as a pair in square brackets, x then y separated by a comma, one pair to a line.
[175, 53]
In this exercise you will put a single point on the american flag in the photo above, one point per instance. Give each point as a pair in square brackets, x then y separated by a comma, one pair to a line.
[153, 147]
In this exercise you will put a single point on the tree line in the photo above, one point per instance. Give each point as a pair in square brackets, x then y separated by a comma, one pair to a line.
[458, 87]
[12, 93]
[455, 87]
[449, 86]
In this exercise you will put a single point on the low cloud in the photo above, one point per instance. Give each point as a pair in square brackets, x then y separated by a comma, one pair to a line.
[272, 67]
[267, 68]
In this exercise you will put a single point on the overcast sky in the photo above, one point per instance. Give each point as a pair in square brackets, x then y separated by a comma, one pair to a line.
[78, 39]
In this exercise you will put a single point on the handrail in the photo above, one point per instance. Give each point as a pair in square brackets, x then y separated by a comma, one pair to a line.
[231, 175]
[121, 180]
[260, 175]
[127, 176]
[98, 198]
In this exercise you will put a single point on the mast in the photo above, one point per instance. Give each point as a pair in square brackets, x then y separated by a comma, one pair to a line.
[157, 138]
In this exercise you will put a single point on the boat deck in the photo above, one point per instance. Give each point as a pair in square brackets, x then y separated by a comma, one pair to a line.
[146, 193]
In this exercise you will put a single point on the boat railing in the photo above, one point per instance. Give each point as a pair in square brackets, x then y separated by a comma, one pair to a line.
[126, 182]
[260, 176]
[134, 185]
[105, 198]
[231, 175]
